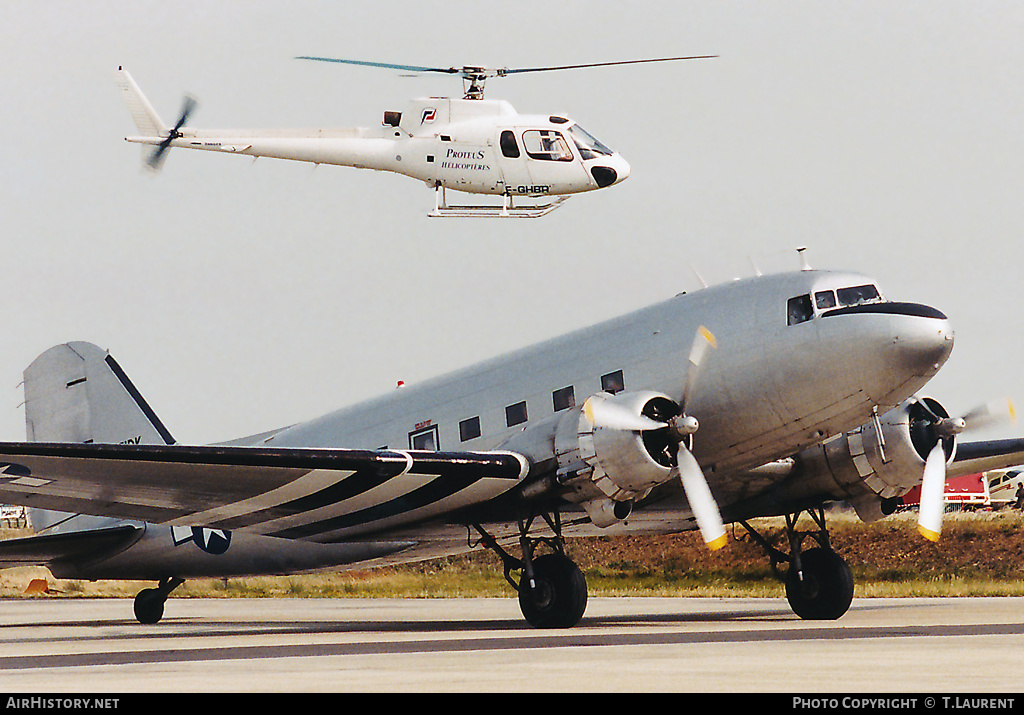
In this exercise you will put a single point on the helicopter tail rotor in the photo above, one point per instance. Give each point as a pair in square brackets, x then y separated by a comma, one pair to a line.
[156, 159]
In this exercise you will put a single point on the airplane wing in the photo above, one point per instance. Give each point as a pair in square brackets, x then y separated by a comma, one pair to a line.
[975, 457]
[314, 494]
[44, 548]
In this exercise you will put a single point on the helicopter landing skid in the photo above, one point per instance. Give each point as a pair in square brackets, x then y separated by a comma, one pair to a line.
[507, 209]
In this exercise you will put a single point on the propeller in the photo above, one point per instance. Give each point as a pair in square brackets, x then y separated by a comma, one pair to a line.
[933, 483]
[475, 77]
[603, 413]
[991, 413]
[683, 426]
[156, 159]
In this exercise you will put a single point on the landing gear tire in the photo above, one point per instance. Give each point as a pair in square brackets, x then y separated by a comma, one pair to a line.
[825, 591]
[558, 596]
[149, 605]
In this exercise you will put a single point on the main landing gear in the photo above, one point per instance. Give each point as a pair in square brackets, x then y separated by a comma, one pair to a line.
[819, 585]
[149, 603]
[552, 588]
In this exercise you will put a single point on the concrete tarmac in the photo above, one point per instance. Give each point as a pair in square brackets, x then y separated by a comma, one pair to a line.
[955, 645]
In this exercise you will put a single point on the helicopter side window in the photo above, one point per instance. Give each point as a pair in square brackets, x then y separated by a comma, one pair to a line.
[509, 147]
[547, 145]
[590, 148]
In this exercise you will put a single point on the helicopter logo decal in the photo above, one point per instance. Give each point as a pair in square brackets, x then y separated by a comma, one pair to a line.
[429, 115]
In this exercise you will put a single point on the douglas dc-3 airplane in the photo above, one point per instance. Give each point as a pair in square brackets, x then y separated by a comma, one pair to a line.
[803, 385]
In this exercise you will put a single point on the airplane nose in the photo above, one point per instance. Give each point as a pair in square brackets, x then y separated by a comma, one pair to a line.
[924, 341]
[890, 345]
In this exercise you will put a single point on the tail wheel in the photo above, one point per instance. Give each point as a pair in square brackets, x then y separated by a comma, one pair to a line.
[149, 606]
[824, 590]
[558, 596]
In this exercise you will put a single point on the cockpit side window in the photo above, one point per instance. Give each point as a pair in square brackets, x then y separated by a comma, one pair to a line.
[547, 145]
[825, 299]
[857, 295]
[799, 309]
[509, 148]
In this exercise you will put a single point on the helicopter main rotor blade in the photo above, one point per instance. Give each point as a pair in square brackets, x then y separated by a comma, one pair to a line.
[602, 64]
[386, 65]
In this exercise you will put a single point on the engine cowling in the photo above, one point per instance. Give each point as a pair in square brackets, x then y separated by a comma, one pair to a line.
[605, 465]
[880, 461]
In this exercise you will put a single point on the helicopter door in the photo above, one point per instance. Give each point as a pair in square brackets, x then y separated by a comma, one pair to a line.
[513, 165]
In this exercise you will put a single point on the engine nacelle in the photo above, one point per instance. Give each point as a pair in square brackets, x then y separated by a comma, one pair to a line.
[883, 459]
[604, 467]
[608, 463]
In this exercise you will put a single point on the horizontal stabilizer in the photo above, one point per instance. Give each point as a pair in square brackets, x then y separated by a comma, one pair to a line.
[75, 546]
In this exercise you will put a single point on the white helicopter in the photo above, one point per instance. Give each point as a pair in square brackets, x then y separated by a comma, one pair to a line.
[471, 144]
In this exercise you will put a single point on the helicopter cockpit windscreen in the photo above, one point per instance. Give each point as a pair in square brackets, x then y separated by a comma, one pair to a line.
[590, 148]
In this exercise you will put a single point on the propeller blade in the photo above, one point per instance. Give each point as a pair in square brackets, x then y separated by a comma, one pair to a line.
[704, 340]
[602, 414]
[933, 486]
[702, 503]
[603, 64]
[186, 109]
[990, 414]
[156, 159]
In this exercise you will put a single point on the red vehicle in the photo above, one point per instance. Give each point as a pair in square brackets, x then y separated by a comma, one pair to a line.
[967, 492]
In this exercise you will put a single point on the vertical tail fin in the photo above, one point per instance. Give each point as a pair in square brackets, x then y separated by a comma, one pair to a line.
[77, 392]
[146, 119]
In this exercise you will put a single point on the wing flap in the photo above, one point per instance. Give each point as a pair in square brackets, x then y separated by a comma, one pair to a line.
[316, 494]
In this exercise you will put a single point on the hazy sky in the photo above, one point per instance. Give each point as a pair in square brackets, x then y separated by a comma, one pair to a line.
[884, 136]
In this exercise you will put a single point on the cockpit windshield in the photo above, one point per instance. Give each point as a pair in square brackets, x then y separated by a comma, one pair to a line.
[857, 295]
[590, 148]
[800, 309]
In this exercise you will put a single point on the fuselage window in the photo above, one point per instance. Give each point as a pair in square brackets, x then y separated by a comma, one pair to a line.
[469, 429]
[825, 299]
[857, 295]
[509, 147]
[613, 382]
[424, 439]
[563, 399]
[799, 309]
[547, 145]
[515, 414]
